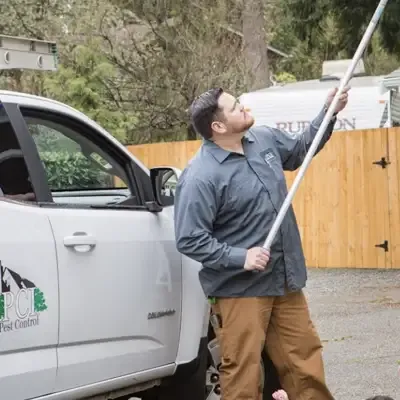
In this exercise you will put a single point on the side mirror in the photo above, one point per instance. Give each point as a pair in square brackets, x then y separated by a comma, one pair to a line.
[163, 182]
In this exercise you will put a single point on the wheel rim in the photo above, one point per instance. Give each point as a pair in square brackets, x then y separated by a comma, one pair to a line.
[213, 388]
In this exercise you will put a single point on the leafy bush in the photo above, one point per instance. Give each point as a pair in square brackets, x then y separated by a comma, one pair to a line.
[72, 171]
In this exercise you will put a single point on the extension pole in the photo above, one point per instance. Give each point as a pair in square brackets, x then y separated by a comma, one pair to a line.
[310, 154]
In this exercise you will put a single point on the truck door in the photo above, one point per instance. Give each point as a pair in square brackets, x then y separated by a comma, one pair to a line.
[119, 271]
[28, 274]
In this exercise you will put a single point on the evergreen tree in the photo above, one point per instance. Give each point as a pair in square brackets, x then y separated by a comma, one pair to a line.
[39, 301]
[1, 306]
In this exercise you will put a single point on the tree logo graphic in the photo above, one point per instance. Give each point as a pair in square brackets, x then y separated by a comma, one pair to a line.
[39, 300]
[21, 301]
[1, 306]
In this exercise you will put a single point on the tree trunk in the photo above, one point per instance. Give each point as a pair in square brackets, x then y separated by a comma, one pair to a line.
[255, 45]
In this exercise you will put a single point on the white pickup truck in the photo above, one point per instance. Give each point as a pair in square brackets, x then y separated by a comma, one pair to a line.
[95, 300]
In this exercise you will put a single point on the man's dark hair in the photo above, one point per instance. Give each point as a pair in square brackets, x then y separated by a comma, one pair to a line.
[380, 398]
[204, 110]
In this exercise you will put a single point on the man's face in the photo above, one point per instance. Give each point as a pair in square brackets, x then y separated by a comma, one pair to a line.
[234, 119]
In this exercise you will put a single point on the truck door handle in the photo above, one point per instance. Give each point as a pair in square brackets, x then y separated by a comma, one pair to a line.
[80, 241]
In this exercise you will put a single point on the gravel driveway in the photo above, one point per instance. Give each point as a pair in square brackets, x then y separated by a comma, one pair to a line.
[357, 314]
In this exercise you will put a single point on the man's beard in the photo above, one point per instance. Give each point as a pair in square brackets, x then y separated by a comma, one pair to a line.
[248, 123]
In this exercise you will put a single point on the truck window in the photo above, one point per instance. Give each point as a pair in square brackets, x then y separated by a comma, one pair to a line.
[79, 171]
[15, 180]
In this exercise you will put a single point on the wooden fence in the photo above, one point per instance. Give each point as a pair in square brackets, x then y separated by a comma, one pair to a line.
[347, 207]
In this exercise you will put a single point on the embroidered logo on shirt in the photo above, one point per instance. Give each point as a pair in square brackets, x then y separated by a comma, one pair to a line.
[268, 156]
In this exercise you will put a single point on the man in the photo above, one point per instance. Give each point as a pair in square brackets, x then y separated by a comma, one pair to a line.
[226, 201]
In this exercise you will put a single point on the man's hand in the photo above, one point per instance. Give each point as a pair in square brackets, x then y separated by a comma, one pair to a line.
[343, 99]
[256, 259]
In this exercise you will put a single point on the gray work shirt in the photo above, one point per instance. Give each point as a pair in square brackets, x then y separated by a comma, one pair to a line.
[226, 203]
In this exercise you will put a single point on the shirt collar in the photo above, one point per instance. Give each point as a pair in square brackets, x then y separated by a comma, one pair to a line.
[221, 154]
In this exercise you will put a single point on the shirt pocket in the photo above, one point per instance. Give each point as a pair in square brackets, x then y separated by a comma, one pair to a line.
[240, 190]
[239, 193]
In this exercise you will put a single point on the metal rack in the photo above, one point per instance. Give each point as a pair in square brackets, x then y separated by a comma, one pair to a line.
[23, 53]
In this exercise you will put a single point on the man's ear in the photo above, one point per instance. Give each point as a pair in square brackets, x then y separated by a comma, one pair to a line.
[218, 126]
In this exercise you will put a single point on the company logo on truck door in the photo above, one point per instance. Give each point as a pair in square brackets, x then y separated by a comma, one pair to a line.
[21, 301]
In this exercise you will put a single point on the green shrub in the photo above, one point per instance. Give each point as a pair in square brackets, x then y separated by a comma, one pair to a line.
[73, 171]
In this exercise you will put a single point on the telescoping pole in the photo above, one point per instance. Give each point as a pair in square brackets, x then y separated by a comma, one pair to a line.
[307, 160]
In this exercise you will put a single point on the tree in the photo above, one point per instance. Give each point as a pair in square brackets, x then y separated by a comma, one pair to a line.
[255, 45]
[170, 54]
[135, 66]
[1, 306]
[87, 81]
[39, 301]
[315, 31]
[360, 12]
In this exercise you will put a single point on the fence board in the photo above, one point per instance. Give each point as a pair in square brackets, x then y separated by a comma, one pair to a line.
[336, 205]
[394, 193]
[345, 205]
[176, 154]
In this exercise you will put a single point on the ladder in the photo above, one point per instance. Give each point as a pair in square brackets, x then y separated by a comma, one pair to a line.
[23, 53]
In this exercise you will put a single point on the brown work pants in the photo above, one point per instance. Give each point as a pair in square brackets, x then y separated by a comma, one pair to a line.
[283, 326]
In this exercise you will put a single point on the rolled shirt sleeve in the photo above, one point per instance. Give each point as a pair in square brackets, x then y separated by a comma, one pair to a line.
[195, 211]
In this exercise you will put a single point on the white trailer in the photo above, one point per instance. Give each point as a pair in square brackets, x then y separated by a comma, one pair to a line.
[292, 106]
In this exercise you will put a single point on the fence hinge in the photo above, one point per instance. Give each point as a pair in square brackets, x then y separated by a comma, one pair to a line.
[382, 162]
[384, 245]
